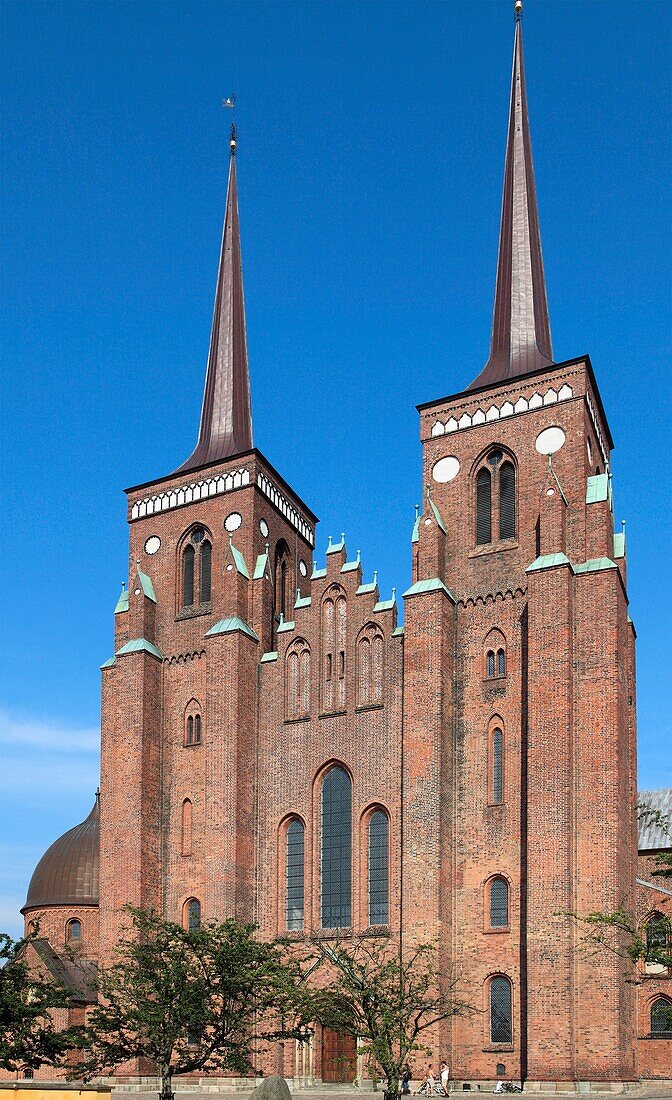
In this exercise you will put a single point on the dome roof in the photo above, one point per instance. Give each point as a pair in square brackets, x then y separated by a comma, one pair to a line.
[67, 874]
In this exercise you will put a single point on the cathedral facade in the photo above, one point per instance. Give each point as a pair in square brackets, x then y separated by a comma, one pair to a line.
[278, 748]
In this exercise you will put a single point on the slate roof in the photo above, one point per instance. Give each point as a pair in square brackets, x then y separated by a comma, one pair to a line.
[654, 835]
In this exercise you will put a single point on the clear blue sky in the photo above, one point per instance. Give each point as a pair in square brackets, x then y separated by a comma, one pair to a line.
[370, 168]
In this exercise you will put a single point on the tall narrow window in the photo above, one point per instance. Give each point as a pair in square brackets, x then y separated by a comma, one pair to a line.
[281, 576]
[193, 914]
[192, 724]
[328, 649]
[206, 571]
[378, 868]
[491, 663]
[483, 507]
[336, 849]
[188, 576]
[501, 662]
[187, 817]
[197, 729]
[190, 730]
[499, 903]
[293, 684]
[497, 765]
[297, 670]
[369, 666]
[661, 1018]
[304, 680]
[295, 875]
[501, 1027]
[341, 640]
[507, 501]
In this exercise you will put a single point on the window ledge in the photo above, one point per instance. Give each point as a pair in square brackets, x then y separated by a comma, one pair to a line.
[332, 713]
[494, 679]
[294, 935]
[193, 745]
[495, 931]
[369, 706]
[194, 612]
[499, 1047]
[496, 805]
[300, 718]
[493, 548]
[376, 930]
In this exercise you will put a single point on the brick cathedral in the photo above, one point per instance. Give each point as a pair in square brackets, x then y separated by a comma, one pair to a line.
[276, 747]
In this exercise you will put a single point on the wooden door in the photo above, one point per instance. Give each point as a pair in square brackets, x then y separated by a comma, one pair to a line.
[339, 1056]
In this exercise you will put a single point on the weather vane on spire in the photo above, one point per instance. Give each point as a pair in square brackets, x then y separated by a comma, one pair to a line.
[230, 102]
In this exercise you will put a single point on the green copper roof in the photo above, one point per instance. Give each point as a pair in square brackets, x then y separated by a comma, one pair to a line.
[386, 605]
[230, 626]
[284, 627]
[415, 537]
[122, 602]
[260, 567]
[350, 566]
[431, 585]
[334, 547]
[270, 656]
[597, 488]
[302, 601]
[147, 586]
[437, 514]
[140, 645]
[595, 565]
[110, 664]
[619, 544]
[239, 561]
[548, 561]
[364, 588]
[317, 573]
[397, 631]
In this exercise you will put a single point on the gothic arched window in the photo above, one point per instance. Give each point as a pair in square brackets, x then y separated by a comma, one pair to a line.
[501, 1023]
[661, 1018]
[507, 501]
[334, 633]
[187, 826]
[495, 499]
[294, 875]
[499, 903]
[379, 830]
[336, 849]
[196, 570]
[501, 662]
[370, 666]
[298, 679]
[192, 725]
[497, 753]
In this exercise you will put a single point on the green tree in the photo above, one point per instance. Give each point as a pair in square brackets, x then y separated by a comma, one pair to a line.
[386, 998]
[192, 999]
[28, 1036]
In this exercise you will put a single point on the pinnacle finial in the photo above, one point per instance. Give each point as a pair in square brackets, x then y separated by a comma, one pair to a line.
[230, 102]
[518, 9]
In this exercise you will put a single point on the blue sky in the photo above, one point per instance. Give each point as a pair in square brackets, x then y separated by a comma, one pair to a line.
[370, 168]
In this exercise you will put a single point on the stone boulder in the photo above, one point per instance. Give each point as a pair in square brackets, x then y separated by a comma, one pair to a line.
[272, 1088]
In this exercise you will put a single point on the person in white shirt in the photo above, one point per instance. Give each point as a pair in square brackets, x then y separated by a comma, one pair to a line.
[445, 1077]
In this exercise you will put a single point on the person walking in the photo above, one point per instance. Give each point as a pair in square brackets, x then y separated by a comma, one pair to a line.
[445, 1077]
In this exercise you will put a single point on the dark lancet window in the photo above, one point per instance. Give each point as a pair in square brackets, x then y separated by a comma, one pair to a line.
[501, 662]
[295, 875]
[491, 663]
[188, 560]
[336, 849]
[378, 869]
[206, 571]
[501, 1030]
[507, 501]
[657, 931]
[497, 765]
[197, 729]
[499, 903]
[661, 1018]
[74, 931]
[483, 507]
[193, 914]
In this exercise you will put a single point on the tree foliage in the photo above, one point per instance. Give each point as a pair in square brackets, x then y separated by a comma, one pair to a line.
[192, 999]
[386, 998]
[28, 1036]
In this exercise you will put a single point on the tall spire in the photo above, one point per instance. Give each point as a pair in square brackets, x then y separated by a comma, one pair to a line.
[521, 333]
[226, 416]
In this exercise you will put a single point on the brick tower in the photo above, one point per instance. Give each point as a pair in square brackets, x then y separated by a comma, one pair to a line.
[519, 686]
[180, 695]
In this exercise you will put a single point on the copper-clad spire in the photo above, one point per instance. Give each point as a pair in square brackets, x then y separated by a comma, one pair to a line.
[226, 416]
[521, 333]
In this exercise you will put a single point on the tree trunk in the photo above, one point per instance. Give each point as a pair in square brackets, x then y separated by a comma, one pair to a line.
[165, 1077]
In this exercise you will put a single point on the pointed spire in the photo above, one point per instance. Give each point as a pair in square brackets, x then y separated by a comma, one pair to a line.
[226, 416]
[521, 334]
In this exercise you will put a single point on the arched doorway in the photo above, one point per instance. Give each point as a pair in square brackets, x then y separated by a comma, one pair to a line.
[339, 1056]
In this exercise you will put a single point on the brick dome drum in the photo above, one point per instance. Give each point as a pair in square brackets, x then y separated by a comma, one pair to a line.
[67, 874]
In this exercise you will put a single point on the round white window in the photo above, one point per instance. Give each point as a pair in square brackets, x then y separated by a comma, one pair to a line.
[303, 568]
[550, 440]
[233, 521]
[153, 544]
[263, 527]
[446, 469]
